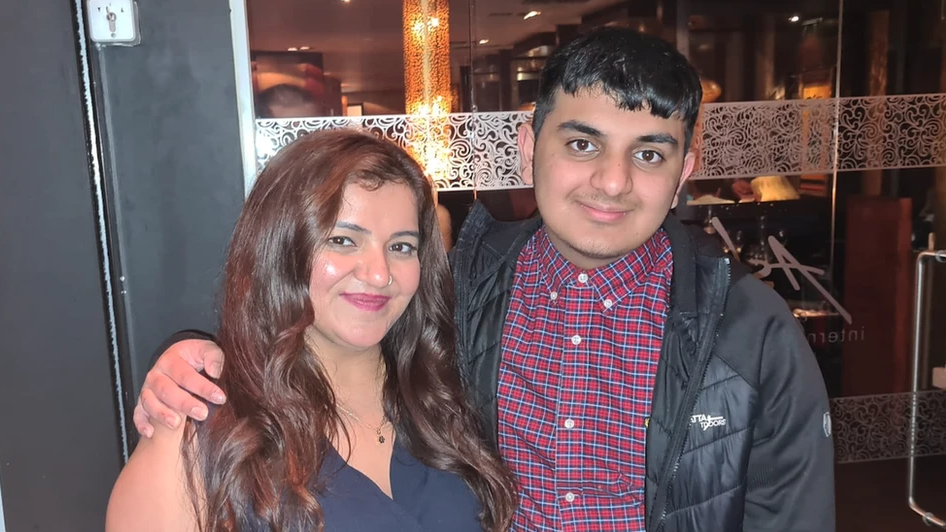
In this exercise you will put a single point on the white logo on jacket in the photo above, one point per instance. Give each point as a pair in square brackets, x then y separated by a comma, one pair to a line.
[707, 422]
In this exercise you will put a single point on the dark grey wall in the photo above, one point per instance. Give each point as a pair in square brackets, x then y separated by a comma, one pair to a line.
[174, 164]
[59, 444]
[174, 186]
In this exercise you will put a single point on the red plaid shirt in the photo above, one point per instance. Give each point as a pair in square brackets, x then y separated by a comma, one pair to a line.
[580, 352]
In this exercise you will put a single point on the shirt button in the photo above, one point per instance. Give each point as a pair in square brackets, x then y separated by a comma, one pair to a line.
[553, 296]
[569, 423]
[583, 278]
[576, 339]
[569, 497]
[608, 303]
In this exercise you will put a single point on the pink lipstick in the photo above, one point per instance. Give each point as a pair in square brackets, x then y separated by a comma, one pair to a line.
[367, 302]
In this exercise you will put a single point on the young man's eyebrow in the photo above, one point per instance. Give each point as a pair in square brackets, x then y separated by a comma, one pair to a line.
[658, 138]
[650, 138]
[581, 127]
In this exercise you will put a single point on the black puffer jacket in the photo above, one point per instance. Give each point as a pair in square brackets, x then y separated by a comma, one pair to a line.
[739, 435]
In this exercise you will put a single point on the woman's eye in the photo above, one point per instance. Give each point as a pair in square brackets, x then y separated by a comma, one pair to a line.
[340, 241]
[649, 156]
[405, 248]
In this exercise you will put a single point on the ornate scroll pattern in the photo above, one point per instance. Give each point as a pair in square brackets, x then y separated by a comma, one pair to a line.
[892, 132]
[765, 138]
[745, 139]
[797, 136]
[876, 427]
[483, 149]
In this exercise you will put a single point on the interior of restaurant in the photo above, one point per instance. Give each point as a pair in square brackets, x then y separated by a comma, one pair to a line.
[821, 154]
[818, 150]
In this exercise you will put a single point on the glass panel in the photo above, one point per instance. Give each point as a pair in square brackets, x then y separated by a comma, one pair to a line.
[819, 172]
[347, 58]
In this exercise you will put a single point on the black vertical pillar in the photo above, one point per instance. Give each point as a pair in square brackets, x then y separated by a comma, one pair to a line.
[59, 440]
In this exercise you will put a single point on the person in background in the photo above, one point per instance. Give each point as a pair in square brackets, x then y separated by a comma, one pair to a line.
[707, 192]
[631, 375]
[287, 101]
[346, 410]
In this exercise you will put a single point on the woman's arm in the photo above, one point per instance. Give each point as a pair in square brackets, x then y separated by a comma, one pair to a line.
[152, 492]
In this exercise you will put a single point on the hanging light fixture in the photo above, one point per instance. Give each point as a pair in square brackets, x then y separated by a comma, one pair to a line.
[427, 90]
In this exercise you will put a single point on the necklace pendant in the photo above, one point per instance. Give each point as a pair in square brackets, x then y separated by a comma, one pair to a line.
[380, 438]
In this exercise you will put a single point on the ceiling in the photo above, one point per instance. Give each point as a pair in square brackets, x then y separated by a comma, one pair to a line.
[361, 39]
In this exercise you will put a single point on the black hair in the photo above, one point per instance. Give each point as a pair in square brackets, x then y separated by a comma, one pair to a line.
[639, 71]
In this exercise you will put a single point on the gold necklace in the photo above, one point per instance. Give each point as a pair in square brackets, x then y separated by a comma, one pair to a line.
[377, 430]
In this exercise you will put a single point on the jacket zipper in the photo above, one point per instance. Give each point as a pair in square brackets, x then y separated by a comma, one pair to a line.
[693, 392]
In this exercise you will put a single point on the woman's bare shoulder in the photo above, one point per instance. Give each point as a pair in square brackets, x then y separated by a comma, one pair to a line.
[152, 492]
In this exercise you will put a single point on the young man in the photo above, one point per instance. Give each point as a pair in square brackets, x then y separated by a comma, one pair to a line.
[632, 376]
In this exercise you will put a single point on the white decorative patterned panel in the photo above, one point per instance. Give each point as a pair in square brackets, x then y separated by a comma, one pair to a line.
[797, 136]
[750, 139]
[877, 427]
[893, 132]
[743, 139]
[483, 147]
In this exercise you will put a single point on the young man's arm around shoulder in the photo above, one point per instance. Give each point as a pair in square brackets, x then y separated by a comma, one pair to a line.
[791, 465]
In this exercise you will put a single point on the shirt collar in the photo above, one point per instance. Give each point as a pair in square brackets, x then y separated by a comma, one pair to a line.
[612, 281]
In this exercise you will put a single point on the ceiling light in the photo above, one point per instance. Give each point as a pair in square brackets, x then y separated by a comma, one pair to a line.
[304, 48]
[794, 18]
[346, 1]
[293, 49]
[484, 41]
[531, 14]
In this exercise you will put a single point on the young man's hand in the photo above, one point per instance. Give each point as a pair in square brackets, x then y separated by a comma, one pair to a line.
[166, 394]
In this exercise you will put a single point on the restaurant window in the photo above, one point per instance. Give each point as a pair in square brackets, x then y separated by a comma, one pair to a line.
[820, 143]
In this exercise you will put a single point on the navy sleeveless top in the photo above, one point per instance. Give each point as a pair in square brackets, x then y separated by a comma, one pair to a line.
[423, 499]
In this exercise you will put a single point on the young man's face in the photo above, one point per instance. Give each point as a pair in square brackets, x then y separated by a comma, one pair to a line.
[604, 178]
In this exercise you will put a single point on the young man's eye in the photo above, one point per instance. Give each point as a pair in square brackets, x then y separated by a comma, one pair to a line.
[649, 156]
[582, 145]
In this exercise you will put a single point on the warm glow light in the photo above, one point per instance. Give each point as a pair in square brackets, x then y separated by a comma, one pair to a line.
[293, 49]
[303, 47]
[484, 41]
[531, 14]
[794, 18]
[427, 82]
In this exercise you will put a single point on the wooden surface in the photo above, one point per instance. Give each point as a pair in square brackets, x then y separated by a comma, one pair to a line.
[878, 292]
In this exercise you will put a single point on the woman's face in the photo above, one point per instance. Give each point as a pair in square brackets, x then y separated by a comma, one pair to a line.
[367, 272]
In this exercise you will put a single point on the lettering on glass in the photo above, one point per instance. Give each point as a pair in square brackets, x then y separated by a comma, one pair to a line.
[786, 262]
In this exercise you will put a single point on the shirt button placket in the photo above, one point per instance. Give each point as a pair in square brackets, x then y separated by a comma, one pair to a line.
[571, 438]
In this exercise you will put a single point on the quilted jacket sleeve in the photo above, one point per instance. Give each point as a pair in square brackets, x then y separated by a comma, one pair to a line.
[791, 465]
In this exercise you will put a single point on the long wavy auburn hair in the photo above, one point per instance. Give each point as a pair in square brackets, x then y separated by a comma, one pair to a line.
[255, 461]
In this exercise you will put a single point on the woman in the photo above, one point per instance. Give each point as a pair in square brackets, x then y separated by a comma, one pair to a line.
[345, 409]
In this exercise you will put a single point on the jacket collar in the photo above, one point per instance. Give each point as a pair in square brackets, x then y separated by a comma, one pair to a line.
[506, 239]
[694, 252]
[503, 240]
